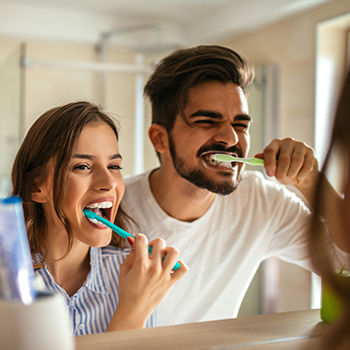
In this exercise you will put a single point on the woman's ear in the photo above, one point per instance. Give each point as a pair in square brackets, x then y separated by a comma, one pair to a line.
[159, 137]
[40, 193]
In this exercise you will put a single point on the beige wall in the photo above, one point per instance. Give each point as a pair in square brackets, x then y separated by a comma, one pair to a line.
[292, 45]
[48, 87]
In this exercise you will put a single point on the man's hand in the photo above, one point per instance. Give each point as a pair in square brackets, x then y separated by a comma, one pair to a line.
[291, 163]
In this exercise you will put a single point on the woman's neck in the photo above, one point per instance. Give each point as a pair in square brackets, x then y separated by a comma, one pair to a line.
[70, 271]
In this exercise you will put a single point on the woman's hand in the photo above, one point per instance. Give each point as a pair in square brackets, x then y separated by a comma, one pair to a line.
[144, 282]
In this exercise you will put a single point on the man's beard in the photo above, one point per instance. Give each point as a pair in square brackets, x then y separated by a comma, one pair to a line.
[200, 179]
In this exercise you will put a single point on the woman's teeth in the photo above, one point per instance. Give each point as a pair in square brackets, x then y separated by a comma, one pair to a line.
[105, 204]
[96, 208]
[95, 222]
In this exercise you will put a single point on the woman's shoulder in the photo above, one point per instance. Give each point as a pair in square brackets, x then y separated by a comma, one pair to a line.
[113, 251]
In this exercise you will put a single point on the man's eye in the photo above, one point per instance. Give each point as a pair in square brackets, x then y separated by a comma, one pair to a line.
[205, 121]
[240, 126]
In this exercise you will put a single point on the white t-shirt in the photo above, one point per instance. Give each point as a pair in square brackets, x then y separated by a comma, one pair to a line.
[225, 247]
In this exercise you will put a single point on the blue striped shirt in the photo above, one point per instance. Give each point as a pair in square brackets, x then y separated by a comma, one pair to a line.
[92, 306]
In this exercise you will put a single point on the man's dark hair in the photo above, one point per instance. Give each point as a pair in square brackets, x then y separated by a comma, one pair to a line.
[169, 85]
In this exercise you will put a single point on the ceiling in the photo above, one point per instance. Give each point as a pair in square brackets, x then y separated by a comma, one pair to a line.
[185, 21]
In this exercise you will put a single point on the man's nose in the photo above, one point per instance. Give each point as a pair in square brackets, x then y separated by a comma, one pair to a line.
[104, 180]
[226, 135]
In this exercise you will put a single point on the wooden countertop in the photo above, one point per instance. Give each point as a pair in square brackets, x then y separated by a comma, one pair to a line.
[289, 330]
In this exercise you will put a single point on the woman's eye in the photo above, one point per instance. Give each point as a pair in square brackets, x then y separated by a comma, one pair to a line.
[115, 167]
[81, 167]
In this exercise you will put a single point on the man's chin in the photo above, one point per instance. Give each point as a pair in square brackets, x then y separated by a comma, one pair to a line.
[222, 188]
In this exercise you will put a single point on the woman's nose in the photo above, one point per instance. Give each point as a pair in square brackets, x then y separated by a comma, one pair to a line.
[104, 180]
[226, 135]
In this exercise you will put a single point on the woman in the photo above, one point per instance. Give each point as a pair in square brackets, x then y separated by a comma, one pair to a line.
[68, 161]
[338, 335]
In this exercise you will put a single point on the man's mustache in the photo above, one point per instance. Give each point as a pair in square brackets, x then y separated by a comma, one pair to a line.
[219, 148]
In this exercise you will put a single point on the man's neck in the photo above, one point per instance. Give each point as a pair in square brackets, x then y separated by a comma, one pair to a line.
[178, 197]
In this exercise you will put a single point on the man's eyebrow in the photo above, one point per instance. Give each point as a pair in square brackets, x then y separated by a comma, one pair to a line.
[90, 157]
[216, 115]
[206, 113]
[243, 117]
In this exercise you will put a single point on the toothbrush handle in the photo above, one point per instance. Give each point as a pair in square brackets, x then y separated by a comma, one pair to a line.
[125, 234]
[120, 231]
[256, 161]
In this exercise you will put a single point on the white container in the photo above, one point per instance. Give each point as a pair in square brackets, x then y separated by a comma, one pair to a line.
[43, 324]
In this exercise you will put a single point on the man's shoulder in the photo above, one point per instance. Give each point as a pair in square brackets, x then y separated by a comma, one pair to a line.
[133, 179]
[252, 175]
[253, 178]
[136, 184]
[137, 189]
[255, 182]
[272, 191]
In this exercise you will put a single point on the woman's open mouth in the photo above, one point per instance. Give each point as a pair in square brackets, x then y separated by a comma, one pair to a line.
[103, 209]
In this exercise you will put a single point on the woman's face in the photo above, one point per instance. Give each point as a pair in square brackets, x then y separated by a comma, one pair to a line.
[94, 181]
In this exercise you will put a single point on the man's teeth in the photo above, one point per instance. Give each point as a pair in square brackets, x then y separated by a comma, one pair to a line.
[218, 163]
[100, 205]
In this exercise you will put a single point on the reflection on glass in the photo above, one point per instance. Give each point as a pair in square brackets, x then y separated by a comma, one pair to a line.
[10, 116]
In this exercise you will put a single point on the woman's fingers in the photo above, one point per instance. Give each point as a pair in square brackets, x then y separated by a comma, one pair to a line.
[141, 248]
[160, 262]
[171, 255]
[158, 249]
[180, 272]
[145, 279]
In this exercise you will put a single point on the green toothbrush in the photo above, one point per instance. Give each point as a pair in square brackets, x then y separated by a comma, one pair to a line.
[221, 157]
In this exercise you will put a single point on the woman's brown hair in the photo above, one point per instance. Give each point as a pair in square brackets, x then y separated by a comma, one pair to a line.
[339, 148]
[51, 142]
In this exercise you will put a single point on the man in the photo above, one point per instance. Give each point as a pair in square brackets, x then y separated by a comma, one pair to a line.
[224, 221]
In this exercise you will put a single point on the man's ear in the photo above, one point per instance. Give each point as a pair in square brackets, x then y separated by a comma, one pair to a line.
[159, 137]
[40, 193]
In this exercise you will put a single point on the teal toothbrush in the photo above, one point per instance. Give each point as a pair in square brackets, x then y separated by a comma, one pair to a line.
[92, 215]
[221, 157]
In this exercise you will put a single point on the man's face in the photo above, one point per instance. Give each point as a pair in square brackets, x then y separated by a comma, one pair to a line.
[218, 121]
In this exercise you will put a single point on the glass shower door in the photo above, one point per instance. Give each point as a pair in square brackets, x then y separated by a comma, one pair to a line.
[11, 119]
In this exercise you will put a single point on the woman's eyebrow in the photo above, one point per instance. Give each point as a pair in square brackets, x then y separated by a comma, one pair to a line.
[116, 156]
[91, 157]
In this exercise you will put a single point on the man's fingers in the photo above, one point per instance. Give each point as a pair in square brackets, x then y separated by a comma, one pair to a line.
[270, 156]
[288, 158]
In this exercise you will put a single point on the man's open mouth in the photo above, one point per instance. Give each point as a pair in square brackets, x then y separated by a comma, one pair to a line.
[210, 162]
[103, 209]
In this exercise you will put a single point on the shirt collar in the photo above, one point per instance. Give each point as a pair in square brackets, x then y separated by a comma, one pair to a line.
[96, 279]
